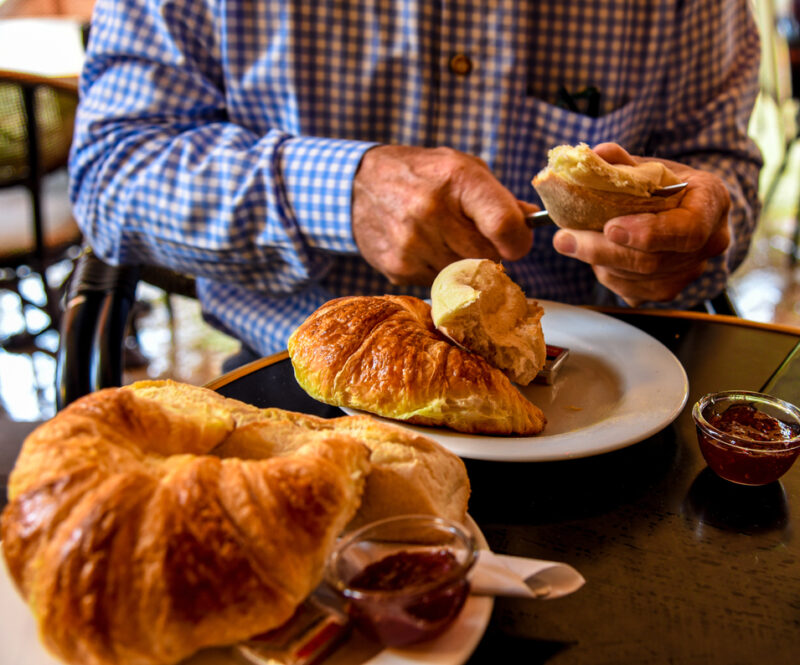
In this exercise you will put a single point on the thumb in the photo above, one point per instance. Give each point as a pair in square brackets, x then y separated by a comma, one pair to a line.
[614, 153]
[500, 218]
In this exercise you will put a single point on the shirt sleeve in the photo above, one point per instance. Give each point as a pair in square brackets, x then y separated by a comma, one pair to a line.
[709, 93]
[160, 175]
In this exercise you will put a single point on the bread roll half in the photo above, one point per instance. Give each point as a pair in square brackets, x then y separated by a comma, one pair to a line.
[583, 191]
[408, 474]
[477, 305]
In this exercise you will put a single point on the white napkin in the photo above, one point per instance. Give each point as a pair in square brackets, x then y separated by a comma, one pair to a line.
[504, 575]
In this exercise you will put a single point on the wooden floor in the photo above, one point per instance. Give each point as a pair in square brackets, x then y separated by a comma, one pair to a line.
[184, 347]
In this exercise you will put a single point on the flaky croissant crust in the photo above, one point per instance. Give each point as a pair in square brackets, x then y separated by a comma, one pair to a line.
[133, 545]
[382, 354]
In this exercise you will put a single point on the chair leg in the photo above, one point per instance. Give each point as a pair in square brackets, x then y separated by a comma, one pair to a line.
[721, 304]
[34, 183]
[133, 356]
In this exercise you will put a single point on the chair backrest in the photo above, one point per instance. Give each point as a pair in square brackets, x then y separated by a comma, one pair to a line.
[95, 322]
[37, 229]
[54, 112]
[93, 326]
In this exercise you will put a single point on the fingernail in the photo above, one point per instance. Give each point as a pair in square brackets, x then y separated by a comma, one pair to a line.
[565, 243]
[618, 235]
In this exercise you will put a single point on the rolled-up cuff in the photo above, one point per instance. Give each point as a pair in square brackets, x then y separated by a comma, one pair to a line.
[318, 180]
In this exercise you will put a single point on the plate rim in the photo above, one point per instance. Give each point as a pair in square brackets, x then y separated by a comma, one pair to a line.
[481, 608]
[450, 438]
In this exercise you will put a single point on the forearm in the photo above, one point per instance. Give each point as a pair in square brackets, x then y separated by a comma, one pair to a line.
[161, 173]
[216, 201]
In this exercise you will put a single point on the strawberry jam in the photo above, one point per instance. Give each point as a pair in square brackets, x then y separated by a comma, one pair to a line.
[408, 596]
[747, 446]
[746, 421]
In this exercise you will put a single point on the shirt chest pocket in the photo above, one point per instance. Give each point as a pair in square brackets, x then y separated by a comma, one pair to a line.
[541, 126]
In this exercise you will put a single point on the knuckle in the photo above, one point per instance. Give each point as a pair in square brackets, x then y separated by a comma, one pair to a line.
[496, 223]
[671, 289]
[642, 290]
[719, 242]
[722, 194]
[396, 269]
[394, 279]
[646, 263]
[694, 239]
[419, 208]
[451, 159]
[664, 293]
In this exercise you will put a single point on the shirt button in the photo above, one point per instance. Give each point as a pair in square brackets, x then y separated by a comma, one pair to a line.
[460, 64]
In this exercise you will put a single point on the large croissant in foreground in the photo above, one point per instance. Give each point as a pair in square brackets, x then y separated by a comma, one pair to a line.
[147, 522]
[382, 354]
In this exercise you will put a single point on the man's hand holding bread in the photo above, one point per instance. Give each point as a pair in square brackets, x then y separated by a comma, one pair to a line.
[417, 210]
[653, 255]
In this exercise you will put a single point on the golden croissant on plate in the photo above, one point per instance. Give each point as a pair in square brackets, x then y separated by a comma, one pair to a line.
[383, 354]
[150, 521]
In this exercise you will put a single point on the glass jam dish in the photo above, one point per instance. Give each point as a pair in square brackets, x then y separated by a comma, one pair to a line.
[403, 579]
[747, 437]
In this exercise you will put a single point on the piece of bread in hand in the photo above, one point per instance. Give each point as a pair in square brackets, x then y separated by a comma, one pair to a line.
[477, 305]
[580, 190]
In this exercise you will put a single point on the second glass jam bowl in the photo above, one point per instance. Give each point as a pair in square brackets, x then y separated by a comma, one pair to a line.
[747, 437]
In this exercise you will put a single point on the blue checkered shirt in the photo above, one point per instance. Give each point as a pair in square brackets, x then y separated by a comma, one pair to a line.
[220, 138]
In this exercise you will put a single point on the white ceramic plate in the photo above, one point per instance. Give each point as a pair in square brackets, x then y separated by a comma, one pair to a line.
[21, 645]
[618, 386]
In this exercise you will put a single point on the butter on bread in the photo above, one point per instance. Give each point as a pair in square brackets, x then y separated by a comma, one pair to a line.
[583, 191]
[477, 305]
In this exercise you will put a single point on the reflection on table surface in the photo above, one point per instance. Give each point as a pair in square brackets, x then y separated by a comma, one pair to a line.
[680, 566]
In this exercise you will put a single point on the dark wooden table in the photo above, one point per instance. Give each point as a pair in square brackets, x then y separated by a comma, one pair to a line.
[680, 566]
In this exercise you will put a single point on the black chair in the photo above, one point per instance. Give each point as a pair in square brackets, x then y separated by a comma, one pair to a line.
[97, 321]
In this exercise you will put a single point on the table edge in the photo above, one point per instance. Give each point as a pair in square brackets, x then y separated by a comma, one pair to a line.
[244, 370]
[266, 361]
[701, 316]
[24, 77]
